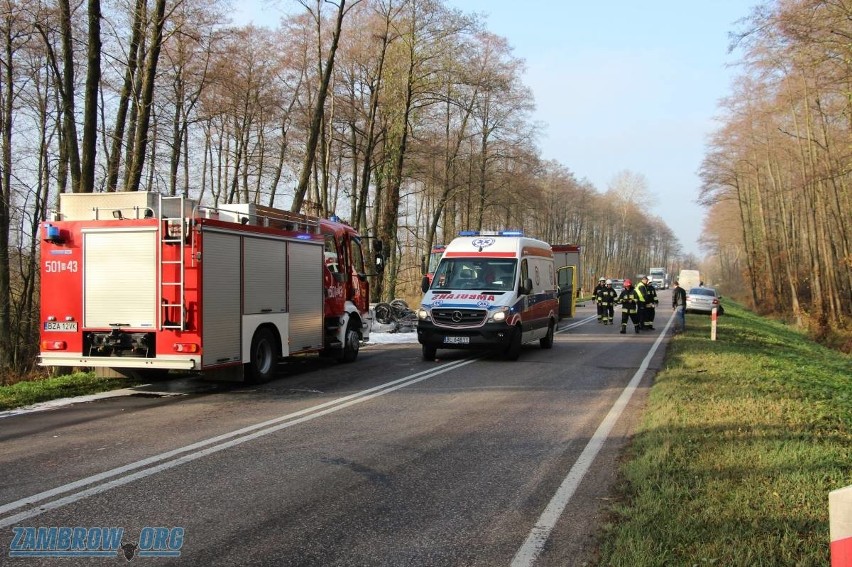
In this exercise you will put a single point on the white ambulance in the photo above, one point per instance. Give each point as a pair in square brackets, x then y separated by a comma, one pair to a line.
[491, 290]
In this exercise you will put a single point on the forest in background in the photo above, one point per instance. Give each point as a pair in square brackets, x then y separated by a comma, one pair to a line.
[408, 119]
[776, 174]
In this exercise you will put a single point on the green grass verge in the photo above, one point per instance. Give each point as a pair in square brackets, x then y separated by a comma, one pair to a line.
[79, 384]
[742, 441]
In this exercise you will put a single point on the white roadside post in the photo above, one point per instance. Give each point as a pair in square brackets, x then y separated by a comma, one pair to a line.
[840, 526]
[713, 313]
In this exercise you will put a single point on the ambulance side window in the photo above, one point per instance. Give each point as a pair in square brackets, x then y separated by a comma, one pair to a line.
[525, 272]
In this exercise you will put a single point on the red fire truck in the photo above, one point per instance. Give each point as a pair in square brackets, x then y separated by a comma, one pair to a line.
[428, 268]
[137, 282]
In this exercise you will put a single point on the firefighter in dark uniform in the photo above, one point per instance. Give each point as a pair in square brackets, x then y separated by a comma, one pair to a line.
[600, 288]
[641, 292]
[646, 314]
[629, 301]
[608, 297]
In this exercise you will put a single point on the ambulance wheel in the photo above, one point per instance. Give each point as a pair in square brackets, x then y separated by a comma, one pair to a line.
[429, 352]
[513, 352]
[351, 345]
[547, 340]
[264, 357]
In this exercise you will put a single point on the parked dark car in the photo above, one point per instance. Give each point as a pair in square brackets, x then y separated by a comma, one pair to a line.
[703, 300]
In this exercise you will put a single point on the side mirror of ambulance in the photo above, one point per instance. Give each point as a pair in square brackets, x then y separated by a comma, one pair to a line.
[424, 284]
[527, 287]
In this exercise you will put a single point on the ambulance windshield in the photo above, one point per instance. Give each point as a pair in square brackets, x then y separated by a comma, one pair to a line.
[479, 274]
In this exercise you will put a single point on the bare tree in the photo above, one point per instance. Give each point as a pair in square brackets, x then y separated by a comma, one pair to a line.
[319, 104]
[140, 143]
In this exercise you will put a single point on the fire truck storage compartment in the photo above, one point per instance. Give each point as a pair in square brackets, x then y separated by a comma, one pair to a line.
[281, 283]
[220, 310]
[120, 279]
[306, 295]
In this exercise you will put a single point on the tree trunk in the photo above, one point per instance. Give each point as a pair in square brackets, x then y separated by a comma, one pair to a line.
[90, 109]
[316, 118]
[124, 98]
[140, 144]
[69, 120]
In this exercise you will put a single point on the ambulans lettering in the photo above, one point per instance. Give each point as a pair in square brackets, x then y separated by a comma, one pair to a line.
[473, 296]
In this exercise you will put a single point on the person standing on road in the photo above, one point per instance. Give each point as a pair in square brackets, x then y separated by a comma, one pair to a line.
[679, 307]
[642, 293]
[609, 296]
[647, 314]
[596, 294]
[629, 301]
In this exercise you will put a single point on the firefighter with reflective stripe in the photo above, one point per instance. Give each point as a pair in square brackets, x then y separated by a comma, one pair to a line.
[608, 297]
[647, 307]
[642, 292]
[599, 289]
[629, 301]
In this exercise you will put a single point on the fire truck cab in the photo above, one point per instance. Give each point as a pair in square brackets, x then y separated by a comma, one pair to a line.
[137, 282]
[490, 290]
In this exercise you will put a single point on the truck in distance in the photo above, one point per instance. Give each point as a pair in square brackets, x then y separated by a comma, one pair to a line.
[658, 278]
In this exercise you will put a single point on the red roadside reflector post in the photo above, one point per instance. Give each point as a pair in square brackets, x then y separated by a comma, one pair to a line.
[840, 526]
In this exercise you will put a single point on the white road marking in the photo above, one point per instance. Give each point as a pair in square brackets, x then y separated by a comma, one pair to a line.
[537, 537]
[195, 451]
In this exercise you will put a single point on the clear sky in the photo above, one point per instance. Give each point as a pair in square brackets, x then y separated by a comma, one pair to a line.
[619, 85]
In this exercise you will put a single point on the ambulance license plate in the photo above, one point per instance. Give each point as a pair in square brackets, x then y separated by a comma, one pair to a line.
[456, 340]
[64, 326]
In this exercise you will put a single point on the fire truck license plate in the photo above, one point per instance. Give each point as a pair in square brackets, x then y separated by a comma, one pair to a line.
[456, 340]
[67, 326]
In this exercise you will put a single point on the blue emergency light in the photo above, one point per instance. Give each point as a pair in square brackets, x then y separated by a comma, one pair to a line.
[491, 233]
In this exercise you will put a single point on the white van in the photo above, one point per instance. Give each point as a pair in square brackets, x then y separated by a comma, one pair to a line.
[493, 291]
[689, 279]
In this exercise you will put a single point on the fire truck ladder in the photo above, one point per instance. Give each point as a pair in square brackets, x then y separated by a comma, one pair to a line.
[167, 208]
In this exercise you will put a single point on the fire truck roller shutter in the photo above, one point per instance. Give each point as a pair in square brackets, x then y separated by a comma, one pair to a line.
[113, 291]
[220, 308]
[265, 319]
[305, 266]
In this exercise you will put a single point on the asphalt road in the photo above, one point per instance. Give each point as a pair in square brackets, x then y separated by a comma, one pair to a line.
[391, 461]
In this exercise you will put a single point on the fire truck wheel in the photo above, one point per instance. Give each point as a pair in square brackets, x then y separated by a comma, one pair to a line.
[547, 340]
[264, 356]
[513, 352]
[429, 352]
[352, 344]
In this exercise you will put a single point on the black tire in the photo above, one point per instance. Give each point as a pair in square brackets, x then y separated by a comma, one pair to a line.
[264, 355]
[547, 340]
[399, 304]
[513, 351]
[384, 313]
[429, 352]
[351, 343]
